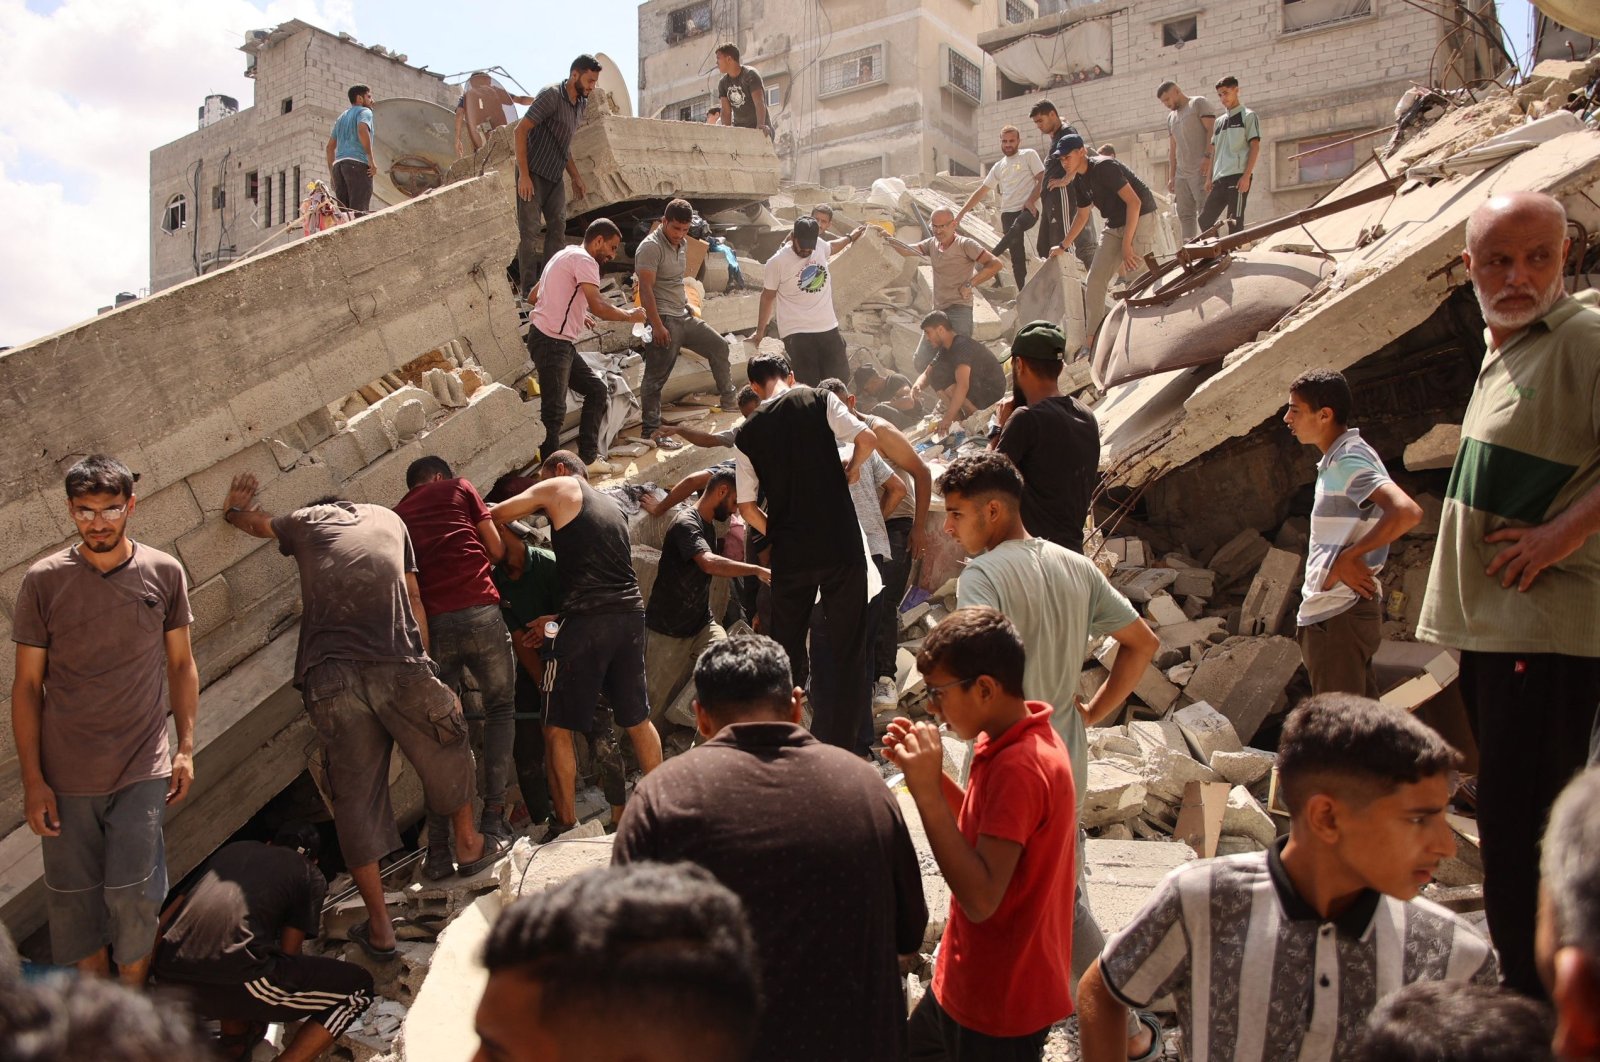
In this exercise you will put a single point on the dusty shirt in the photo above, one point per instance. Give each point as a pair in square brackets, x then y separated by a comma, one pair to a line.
[741, 91]
[453, 566]
[104, 725]
[1013, 178]
[953, 267]
[1530, 448]
[680, 600]
[353, 562]
[668, 262]
[805, 298]
[1189, 133]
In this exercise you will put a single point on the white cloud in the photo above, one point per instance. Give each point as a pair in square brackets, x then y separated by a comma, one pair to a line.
[86, 91]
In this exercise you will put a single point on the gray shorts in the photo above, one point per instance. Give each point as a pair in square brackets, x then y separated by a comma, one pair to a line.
[106, 875]
[361, 710]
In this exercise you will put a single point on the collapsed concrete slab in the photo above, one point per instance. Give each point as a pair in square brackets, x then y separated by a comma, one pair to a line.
[1243, 679]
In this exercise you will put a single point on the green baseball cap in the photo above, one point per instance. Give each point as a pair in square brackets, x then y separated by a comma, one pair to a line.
[1039, 341]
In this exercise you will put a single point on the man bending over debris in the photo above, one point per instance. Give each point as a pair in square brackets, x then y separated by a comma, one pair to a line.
[960, 264]
[812, 842]
[963, 371]
[1126, 206]
[363, 668]
[1568, 941]
[645, 963]
[1310, 935]
[234, 943]
[599, 647]
[1058, 601]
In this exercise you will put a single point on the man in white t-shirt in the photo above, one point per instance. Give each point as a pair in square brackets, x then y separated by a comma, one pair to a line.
[1017, 175]
[567, 292]
[797, 286]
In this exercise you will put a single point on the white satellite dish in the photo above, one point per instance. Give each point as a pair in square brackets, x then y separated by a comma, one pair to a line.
[613, 81]
[414, 141]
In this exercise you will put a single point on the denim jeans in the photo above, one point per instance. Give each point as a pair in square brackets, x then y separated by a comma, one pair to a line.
[562, 368]
[475, 640]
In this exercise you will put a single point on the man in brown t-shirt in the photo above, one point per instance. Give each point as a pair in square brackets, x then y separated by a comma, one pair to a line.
[960, 266]
[102, 632]
[368, 685]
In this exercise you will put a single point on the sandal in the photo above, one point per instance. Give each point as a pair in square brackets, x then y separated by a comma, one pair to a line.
[361, 934]
[666, 442]
[494, 850]
[1153, 1023]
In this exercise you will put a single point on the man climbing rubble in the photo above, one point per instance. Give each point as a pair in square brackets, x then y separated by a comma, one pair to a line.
[543, 140]
[797, 285]
[960, 265]
[1126, 206]
[1055, 211]
[1016, 177]
[962, 371]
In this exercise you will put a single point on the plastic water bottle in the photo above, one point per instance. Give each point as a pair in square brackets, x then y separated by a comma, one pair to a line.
[643, 331]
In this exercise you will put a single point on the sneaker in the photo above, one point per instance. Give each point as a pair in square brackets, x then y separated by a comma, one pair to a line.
[729, 403]
[601, 467]
[665, 442]
[884, 693]
[552, 830]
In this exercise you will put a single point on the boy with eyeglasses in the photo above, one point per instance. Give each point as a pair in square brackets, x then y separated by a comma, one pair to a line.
[102, 633]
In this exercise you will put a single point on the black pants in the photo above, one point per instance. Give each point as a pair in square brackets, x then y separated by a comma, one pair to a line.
[896, 574]
[1224, 198]
[1535, 716]
[1055, 220]
[817, 356]
[835, 721]
[527, 751]
[352, 186]
[936, 1037]
[1015, 223]
[561, 368]
[327, 991]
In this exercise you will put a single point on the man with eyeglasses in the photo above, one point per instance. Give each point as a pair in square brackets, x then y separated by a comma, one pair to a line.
[102, 633]
[960, 264]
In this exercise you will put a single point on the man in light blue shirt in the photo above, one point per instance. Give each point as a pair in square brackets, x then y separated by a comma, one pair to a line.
[350, 158]
[1236, 147]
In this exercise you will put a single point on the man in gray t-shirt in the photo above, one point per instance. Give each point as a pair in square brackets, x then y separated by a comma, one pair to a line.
[960, 264]
[660, 264]
[1189, 128]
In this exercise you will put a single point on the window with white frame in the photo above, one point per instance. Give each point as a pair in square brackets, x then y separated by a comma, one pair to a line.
[1313, 14]
[855, 174]
[965, 76]
[853, 70]
[176, 214]
[690, 21]
[774, 96]
[1018, 11]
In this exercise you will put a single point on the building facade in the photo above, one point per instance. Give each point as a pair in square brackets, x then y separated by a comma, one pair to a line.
[236, 183]
[1319, 74]
[857, 90]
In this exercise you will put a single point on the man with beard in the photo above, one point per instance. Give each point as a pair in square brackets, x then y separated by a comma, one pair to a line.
[1516, 572]
[1017, 176]
[544, 157]
[102, 633]
[1055, 211]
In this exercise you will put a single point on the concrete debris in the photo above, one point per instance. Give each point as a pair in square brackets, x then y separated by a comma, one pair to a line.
[1139, 585]
[1207, 731]
[1238, 557]
[1247, 818]
[1244, 767]
[1115, 794]
[1243, 678]
[1436, 449]
[1275, 587]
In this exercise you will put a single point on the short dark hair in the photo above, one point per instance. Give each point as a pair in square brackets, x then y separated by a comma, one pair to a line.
[1228, 81]
[975, 641]
[862, 375]
[69, 1017]
[1571, 872]
[743, 676]
[1108, 150]
[730, 49]
[1356, 749]
[327, 499]
[301, 836]
[585, 64]
[722, 476]
[983, 475]
[894, 381]
[836, 385]
[565, 459]
[747, 394]
[1165, 87]
[1324, 389]
[937, 319]
[825, 208]
[764, 368]
[669, 939]
[678, 210]
[714, 109]
[100, 474]
[1458, 1021]
[425, 468]
[357, 90]
[601, 229]
[1042, 107]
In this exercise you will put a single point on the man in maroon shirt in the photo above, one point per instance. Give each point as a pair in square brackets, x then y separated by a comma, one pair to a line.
[457, 547]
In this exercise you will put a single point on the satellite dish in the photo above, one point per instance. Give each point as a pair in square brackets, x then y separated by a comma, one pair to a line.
[414, 142]
[612, 81]
[1577, 15]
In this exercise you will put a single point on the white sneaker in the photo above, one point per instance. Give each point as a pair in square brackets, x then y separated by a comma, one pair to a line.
[884, 693]
[601, 467]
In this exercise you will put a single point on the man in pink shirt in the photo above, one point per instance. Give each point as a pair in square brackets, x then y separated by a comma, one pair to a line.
[567, 292]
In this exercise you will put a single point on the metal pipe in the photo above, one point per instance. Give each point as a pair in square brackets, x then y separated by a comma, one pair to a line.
[1200, 250]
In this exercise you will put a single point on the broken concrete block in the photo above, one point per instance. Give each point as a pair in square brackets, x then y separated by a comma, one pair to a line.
[1245, 767]
[1194, 582]
[410, 420]
[1117, 831]
[1166, 773]
[1188, 632]
[1139, 585]
[863, 269]
[1193, 606]
[286, 456]
[1275, 587]
[1123, 874]
[1157, 733]
[1163, 611]
[1244, 677]
[1206, 730]
[1436, 449]
[1199, 824]
[1246, 816]
[1294, 536]
[1114, 794]
[1153, 688]
[1054, 293]
[1110, 740]
[1169, 657]
[1239, 556]
[373, 435]
[1136, 553]
[1180, 674]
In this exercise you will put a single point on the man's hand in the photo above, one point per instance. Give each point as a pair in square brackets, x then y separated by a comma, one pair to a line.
[965, 288]
[39, 805]
[637, 315]
[1532, 550]
[1208, 182]
[1032, 208]
[765, 575]
[242, 494]
[1130, 260]
[579, 189]
[917, 545]
[524, 187]
[852, 475]
[1059, 183]
[916, 749]
[182, 778]
[1172, 183]
[1349, 569]
[459, 152]
[857, 232]
[1244, 183]
[1057, 250]
[533, 632]
[372, 169]
[669, 430]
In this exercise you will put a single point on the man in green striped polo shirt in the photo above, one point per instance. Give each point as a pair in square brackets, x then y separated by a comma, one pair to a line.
[1515, 583]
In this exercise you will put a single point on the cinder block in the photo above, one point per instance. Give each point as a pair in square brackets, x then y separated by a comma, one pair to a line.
[1194, 582]
[214, 547]
[1238, 557]
[1153, 689]
[1166, 773]
[1141, 584]
[863, 269]
[160, 518]
[1162, 611]
[1207, 731]
[1275, 587]
[1243, 678]
[1114, 794]
[1245, 816]
[1245, 767]
[372, 434]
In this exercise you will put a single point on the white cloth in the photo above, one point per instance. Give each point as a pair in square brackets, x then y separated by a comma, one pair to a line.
[1036, 58]
[1014, 177]
[804, 289]
[845, 424]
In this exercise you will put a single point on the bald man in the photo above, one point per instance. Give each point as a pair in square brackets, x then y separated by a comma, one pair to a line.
[1515, 583]
[960, 264]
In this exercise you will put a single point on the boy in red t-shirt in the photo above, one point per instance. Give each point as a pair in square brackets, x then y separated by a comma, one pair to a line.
[1005, 846]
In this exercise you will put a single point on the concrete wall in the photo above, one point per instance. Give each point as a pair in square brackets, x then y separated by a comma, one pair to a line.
[300, 63]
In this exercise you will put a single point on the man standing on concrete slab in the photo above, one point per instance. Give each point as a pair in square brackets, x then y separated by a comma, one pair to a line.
[740, 93]
[678, 621]
[1017, 175]
[1236, 147]
[363, 668]
[544, 153]
[1058, 601]
[567, 292]
[660, 264]
[1052, 438]
[457, 546]
[1128, 210]
[963, 372]
[1189, 128]
[1568, 940]
[351, 162]
[102, 633]
[1358, 511]
[812, 842]
[789, 450]
[599, 647]
[960, 265]
[1516, 570]
[1056, 209]
[796, 285]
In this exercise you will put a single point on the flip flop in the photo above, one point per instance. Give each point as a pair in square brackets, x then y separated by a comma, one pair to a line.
[360, 933]
[494, 850]
[1157, 1046]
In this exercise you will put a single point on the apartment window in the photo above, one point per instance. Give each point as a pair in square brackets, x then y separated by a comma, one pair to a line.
[963, 75]
[1179, 31]
[855, 174]
[1017, 11]
[774, 96]
[283, 197]
[219, 197]
[176, 215]
[286, 106]
[252, 186]
[688, 110]
[689, 22]
[1322, 159]
[852, 70]
[1312, 14]
[299, 189]
[266, 203]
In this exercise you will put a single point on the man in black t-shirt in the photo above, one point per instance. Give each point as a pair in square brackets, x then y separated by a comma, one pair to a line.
[962, 371]
[1052, 438]
[742, 95]
[678, 621]
[233, 942]
[1128, 209]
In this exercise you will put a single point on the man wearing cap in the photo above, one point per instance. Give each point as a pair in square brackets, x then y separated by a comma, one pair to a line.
[1052, 438]
[1123, 201]
[954, 258]
[797, 287]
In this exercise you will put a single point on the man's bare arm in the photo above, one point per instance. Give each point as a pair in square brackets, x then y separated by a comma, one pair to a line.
[894, 492]
[972, 200]
[525, 127]
[183, 690]
[647, 300]
[364, 134]
[1102, 1019]
[489, 535]
[1137, 645]
[898, 451]
[990, 268]
[753, 516]
[27, 716]
[717, 564]
[769, 303]
[690, 484]
[602, 307]
[414, 592]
